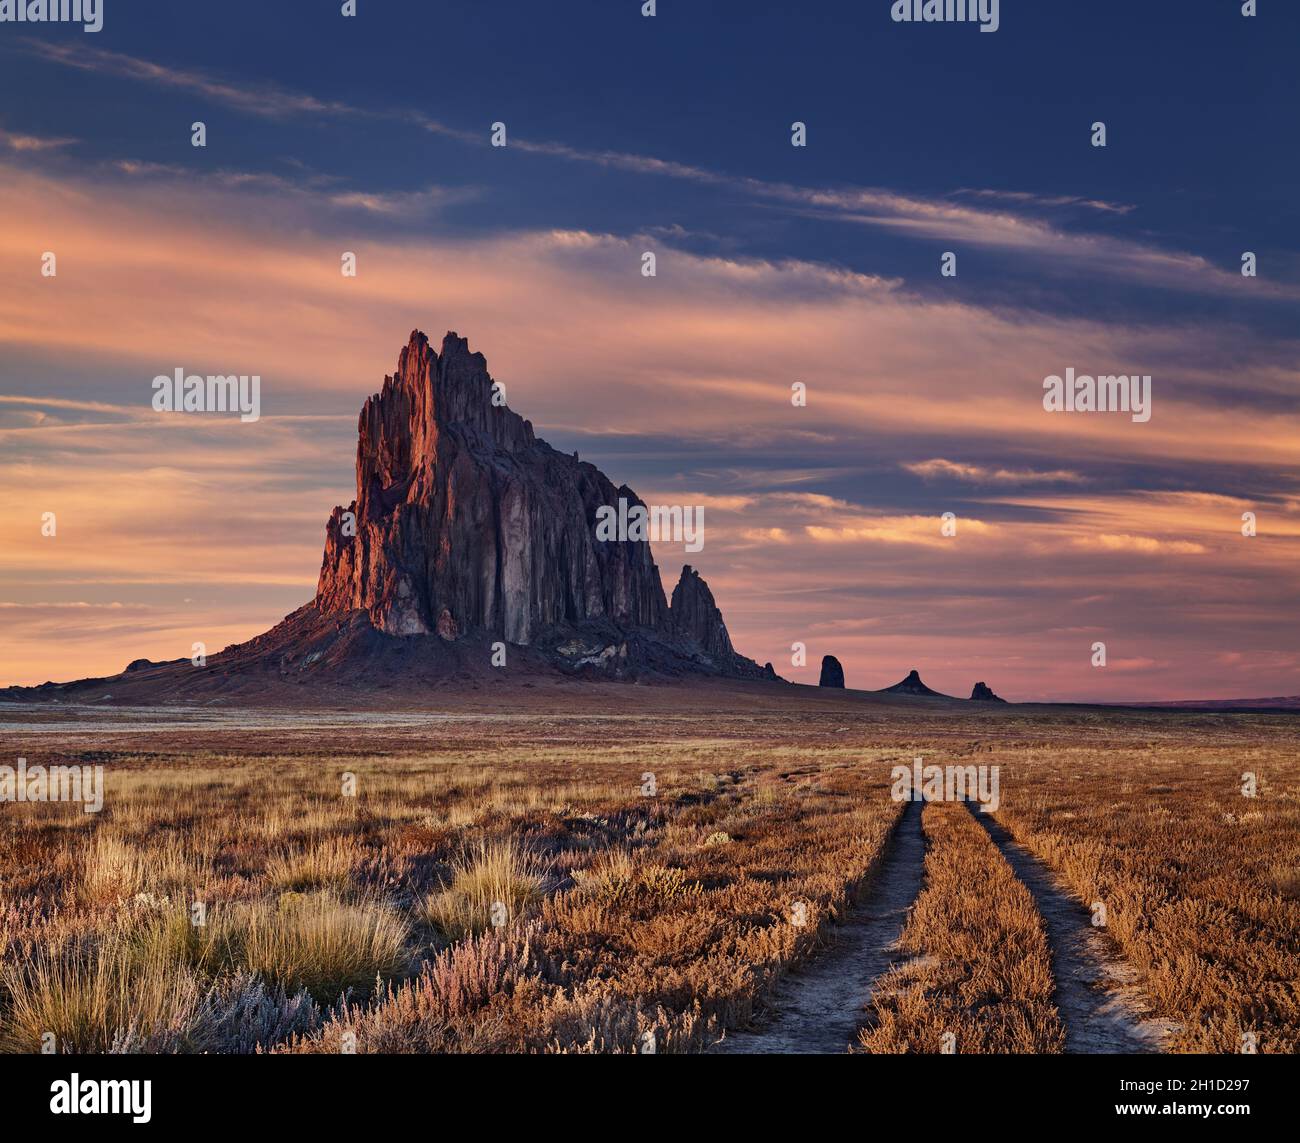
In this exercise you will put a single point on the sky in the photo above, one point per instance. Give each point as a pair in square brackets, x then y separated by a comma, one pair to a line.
[775, 265]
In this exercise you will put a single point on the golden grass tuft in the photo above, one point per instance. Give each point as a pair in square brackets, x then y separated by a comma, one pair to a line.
[320, 943]
[327, 865]
[88, 996]
[490, 886]
[299, 940]
[113, 870]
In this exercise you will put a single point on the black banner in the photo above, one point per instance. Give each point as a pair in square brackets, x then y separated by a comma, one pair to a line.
[337, 1092]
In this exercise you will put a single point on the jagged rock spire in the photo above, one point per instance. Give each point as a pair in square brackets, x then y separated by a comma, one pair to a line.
[693, 613]
[983, 693]
[464, 521]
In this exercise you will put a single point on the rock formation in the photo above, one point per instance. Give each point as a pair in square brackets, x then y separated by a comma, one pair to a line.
[832, 672]
[695, 615]
[982, 693]
[465, 524]
[464, 521]
[912, 685]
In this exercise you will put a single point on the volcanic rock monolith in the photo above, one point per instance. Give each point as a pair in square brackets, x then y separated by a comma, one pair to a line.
[832, 672]
[982, 693]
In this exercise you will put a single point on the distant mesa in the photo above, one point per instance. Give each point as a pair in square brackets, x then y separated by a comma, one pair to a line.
[912, 685]
[832, 672]
[982, 693]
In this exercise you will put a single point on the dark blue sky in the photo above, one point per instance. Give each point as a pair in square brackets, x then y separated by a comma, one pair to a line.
[1202, 108]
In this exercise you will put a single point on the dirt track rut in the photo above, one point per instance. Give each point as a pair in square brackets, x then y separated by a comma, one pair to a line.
[1100, 1006]
[819, 1008]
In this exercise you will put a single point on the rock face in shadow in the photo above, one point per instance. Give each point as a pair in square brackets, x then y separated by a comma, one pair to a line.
[912, 685]
[832, 672]
[695, 615]
[982, 693]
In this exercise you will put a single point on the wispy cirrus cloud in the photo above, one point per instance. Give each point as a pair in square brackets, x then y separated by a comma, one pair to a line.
[51, 402]
[399, 204]
[1047, 201]
[863, 529]
[16, 141]
[986, 474]
[78, 604]
[1147, 545]
[320, 189]
[255, 98]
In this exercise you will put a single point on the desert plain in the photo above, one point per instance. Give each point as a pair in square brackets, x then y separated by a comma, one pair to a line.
[610, 867]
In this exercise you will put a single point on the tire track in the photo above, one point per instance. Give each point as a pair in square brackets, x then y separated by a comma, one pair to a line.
[819, 1007]
[1101, 1007]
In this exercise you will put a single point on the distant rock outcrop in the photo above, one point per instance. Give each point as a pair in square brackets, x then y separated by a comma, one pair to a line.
[467, 535]
[982, 693]
[912, 685]
[832, 672]
[466, 525]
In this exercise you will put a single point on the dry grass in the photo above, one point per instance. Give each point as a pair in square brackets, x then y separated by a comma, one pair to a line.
[324, 866]
[313, 942]
[317, 943]
[1198, 881]
[629, 916]
[622, 915]
[91, 996]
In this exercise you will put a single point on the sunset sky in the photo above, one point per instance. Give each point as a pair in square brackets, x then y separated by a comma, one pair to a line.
[775, 264]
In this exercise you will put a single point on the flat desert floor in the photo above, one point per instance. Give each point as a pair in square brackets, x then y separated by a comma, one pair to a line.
[622, 868]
